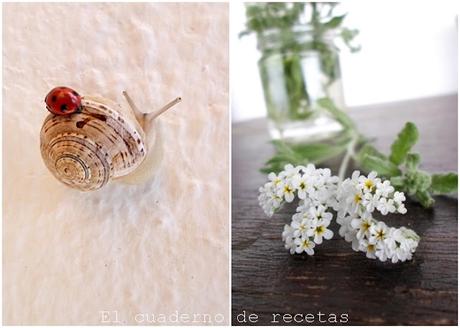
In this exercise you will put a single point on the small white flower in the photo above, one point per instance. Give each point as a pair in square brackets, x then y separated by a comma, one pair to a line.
[346, 230]
[400, 248]
[319, 230]
[378, 233]
[386, 206]
[289, 171]
[381, 252]
[369, 183]
[370, 201]
[288, 238]
[300, 227]
[304, 245]
[302, 184]
[402, 209]
[273, 178]
[384, 188]
[320, 213]
[399, 197]
[369, 248]
[287, 191]
[362, 225]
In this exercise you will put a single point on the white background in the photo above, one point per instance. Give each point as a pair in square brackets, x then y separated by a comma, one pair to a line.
[409, 50]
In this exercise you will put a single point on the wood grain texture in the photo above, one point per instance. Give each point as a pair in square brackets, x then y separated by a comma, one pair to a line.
[267, 280]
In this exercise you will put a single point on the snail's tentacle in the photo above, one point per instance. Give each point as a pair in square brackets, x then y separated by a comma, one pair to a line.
[151, 116]
[137, 113]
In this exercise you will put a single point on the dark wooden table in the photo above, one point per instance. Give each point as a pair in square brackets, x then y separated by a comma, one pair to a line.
[267, 280]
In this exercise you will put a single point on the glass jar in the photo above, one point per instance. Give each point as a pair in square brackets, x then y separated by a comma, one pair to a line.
[297, 69]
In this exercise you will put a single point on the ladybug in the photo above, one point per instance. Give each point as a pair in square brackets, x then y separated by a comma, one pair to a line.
[63, 101]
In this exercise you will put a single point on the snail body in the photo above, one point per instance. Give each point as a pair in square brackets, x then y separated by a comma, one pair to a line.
[99, 142]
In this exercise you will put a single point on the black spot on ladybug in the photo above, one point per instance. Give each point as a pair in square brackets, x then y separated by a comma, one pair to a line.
[53, 98]
[75, 93]
[63, 107]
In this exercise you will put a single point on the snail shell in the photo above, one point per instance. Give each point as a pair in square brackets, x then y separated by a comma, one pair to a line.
[87, 149]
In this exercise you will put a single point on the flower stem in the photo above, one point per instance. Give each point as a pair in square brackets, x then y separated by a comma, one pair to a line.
[346, 158]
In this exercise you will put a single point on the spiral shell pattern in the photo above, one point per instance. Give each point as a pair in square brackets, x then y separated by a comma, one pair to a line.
[87, 149]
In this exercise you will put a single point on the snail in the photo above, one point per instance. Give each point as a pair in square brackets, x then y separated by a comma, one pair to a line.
[87, 141]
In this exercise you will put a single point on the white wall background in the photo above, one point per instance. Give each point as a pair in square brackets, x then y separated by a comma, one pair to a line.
[409, 50]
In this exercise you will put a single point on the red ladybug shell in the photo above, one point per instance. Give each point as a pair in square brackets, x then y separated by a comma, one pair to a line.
[63, 101]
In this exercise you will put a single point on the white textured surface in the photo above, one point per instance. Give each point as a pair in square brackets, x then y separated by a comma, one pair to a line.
[157, 247]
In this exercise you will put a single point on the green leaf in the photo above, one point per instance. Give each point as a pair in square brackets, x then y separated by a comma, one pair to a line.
[444, 183]
[339, 115]
[334, 22]
[300, 154]
[403, 143]
[382, 167]
[422, 181]
[398, 182]
[347, 36]
[368, 149]
[319, 152]
[412, 161]
[281, 146]
[424, 198]
[416, 181]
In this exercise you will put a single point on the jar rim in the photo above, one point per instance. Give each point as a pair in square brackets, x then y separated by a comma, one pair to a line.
[276, 37]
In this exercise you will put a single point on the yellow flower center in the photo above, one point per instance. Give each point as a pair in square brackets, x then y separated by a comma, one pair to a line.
[370, 248]
[287, 189]
[302, 185]
[365, 225]
[357, 198]
[306, 243]
[368, 184]
[380, 234]
[320, 230]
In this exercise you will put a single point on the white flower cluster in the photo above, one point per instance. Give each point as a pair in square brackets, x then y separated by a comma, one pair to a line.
[357, 198]
[316, 189]
[315, 186]
[354, 200]
[307, 229]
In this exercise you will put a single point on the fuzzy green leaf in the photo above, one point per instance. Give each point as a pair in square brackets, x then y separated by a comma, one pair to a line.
[412, 161]
[424, 198]
[422, 181]
[382, 167]
[403, 143]
[319, 152]
[398, 182]
[301, 154]
[444, 183]
[368, 149]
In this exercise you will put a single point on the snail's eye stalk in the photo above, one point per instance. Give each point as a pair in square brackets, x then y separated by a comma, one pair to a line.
[163, 109]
